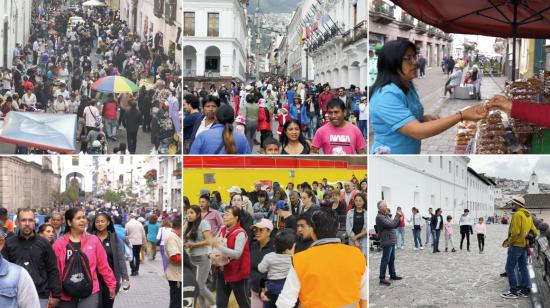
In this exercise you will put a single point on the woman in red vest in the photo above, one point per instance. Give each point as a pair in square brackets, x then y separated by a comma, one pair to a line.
[232, 241]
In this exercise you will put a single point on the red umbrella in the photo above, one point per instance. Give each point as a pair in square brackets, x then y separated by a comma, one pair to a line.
[499, 18]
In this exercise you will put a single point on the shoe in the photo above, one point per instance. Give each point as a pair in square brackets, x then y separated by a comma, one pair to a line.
[454, 250]
[396, 278]
[504, 274]
[521, 294]
[446, 250]
[421, 247]
[468, 250]
[415, 248]
[133, 274]
[385, 282]
[509, 295]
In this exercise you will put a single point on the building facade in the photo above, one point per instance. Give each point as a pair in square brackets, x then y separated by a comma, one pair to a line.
[444, 182]
[341, 58]
[389, 22]
[169, 183]
[27, 184]
[159, 20]
[15, 25]
[214, 41]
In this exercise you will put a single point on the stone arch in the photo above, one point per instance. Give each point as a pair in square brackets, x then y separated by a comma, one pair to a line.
[189, 61]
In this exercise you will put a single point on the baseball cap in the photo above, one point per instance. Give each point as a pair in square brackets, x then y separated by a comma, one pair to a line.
[281, 205]
[234, 189]
[264, 224]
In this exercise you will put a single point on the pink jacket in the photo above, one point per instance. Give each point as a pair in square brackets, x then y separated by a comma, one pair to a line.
[97, 257]
[448, 228]
[480, 228]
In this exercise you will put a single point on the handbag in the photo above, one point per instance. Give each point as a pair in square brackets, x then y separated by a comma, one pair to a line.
[128, 252]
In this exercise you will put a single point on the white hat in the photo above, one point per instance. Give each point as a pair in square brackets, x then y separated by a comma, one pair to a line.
[234, 189]
[519, 200]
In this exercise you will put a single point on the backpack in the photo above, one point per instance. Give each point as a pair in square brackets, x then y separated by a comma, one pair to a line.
[77, 277]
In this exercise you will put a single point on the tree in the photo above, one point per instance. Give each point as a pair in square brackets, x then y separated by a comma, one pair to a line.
[112, 196]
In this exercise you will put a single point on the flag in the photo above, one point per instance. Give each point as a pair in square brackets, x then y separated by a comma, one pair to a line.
[316, 26]
[308, 32]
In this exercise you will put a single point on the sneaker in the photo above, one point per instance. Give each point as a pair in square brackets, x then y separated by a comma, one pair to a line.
[415, 248]
[385, 282]
[454, 250]
[521, 294]
[421, 247]
[396, 278]
[509, 295]
[504, 274]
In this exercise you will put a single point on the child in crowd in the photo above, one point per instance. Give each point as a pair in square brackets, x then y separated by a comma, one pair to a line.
[282, 117]
[277, 265]
[240, 122]
[271, 146]
[448, 225]
[480, 229]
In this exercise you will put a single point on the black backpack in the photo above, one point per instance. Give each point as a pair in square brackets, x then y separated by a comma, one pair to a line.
[77, 277]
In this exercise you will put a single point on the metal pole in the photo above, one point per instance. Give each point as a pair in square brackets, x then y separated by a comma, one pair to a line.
[514, 36]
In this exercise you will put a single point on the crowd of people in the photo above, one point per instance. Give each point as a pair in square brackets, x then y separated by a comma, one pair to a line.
[289, 117]
[274, 246]
[390, 235]
[77, 256]
[68, 50]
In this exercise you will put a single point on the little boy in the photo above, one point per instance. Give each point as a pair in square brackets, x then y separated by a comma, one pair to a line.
[277, 265]
[271, 146]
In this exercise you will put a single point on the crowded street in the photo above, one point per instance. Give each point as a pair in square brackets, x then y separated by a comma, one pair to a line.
[82, 67]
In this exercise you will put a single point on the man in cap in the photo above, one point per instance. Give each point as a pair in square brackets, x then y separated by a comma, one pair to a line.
[286, 219]
[15, 280]
[521, 227]
[135, 237]
[233, 191]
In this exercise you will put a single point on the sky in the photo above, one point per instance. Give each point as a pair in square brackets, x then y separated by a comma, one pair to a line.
[515, 167]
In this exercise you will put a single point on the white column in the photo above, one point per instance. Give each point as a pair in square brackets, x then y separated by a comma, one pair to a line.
[363, 75]
[200, 64]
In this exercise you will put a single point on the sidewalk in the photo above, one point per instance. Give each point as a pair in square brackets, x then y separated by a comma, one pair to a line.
[444, 143]
[149, 289]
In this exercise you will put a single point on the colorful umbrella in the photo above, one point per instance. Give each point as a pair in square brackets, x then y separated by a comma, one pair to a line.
[115, 84]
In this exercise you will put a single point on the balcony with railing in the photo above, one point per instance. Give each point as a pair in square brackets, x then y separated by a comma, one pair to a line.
[421, 27]
[407, 22]
[382, 12]
[432, 31]
[358, 32]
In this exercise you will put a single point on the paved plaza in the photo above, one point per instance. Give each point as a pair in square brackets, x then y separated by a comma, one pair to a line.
[446, 279]
[149, 289]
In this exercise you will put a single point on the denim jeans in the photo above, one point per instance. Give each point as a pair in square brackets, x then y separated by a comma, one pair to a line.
[388, 260]
[400, 237]
[312, 124]
[517, 257]
[110, 127]
[363, 125]
[436, 234]
[428, 233]
[417, 239]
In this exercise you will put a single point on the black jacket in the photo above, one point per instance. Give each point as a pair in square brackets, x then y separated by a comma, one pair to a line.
[256, 256]
[132, 120]
[433, 222]
[37, 257]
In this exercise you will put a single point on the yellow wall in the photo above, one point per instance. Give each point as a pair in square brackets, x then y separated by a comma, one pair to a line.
[245, 178]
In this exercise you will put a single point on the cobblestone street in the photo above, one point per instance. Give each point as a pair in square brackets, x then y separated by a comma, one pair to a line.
[446, 279]
[149, 289]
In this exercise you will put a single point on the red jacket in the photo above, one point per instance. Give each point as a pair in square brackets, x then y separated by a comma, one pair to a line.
[237, 269]
[323, 100]
[529, 112]
[263, 119]
[349, 205]
[109, 110]
[97, 258]
[282, 119]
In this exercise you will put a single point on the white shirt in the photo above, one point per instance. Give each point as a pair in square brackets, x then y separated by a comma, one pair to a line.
[363, 112]
[29, 100]
[90, 114]
[203, 127]
[64, 93]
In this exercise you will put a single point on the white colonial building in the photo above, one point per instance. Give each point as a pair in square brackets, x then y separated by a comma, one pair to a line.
[444, 182]
[169, 183]
[296, 54]
[158, 19]
[214, 40]
[341, 59]
[15, 25]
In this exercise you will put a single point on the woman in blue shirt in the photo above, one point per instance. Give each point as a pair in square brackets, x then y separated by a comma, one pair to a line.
[396, 114]
[220, 138]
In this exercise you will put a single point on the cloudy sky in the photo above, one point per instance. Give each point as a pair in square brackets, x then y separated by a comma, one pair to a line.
[517, 167]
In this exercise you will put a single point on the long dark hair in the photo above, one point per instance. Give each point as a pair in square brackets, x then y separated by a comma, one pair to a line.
[191, 232]
[110, 227]
[301, 138]
[226, 116]
[390, 63]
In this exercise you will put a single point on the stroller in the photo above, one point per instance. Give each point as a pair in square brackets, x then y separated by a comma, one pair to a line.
[374, 240]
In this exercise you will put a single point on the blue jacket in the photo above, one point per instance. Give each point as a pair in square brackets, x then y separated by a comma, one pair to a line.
[303, 113]
[208, 142]
[9, 281]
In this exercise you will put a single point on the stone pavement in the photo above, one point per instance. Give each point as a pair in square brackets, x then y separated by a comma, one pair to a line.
[149, 289]
[431, 90]
[446, 279]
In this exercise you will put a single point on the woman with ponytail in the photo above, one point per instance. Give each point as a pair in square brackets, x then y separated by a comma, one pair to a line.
[220, 138]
